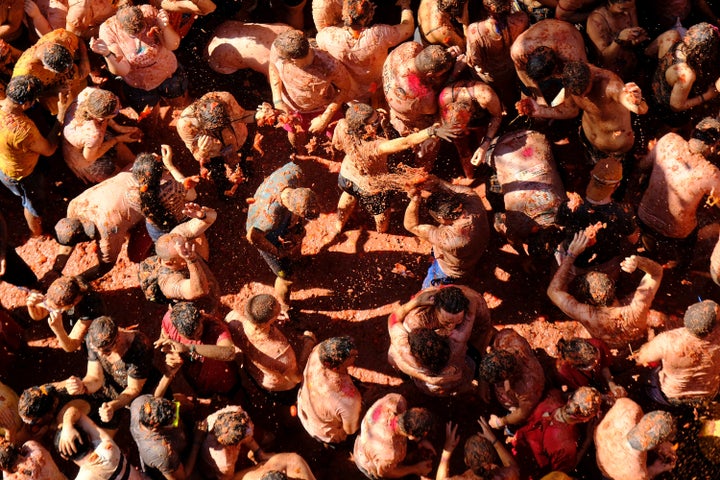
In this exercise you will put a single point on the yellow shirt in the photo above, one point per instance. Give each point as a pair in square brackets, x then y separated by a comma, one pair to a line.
[17, 133]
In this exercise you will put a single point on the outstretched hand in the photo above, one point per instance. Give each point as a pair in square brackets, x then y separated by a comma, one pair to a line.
[630, 264]
[448, 132]
[451, 437]
[578, 245]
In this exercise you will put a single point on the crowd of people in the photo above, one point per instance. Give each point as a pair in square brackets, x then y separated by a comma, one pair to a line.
[453, 112]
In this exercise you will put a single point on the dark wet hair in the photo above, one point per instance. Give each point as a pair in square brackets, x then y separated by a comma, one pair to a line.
[479, 451]
[541, 63]
[433, 59]
[37, 402]
[186, 318]
[63, 291]
[416, 422]
[357, 13]
[102, 332]
[584, 403]
[497, 366]
[701, 45]
[211, 113]
[148, 172]
[429, 348]
[452, 7]
[700, 318]
[231, 428]
[23, 89]
[274, 475]
[445, 205]
[451, 299]
[498, 8]
[292, 44]
[594, 288]
[98, 104]
[580, 352]
[334, 351]
[707, 131]
[83, 446]
[8, 455]
[261, 309]
[576, 77]
[357, 117]
[131, 19]
[71, 231]
[57, 58]
[156, 413]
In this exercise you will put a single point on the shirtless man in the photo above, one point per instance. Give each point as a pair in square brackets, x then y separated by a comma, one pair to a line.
[559, 42]
[308, 81]
[381, 447]
[291, 465]
[363, 47]
[327, 13]
[624, 437]
[514, 375]
[462, 236]
[606, 104]
[443, 22]
[488, 48]
[683, 173]
[463, 103]
[614, 32]
[237, 45]
[328, 402]
[617, 322]
[574, 11]
[689, 357]
[268, 356]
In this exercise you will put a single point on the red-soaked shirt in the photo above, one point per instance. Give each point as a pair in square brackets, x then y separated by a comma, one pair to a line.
[206, 375]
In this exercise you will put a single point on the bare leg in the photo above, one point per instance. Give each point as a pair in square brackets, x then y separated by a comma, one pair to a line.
[382, 221]
[345, 207]
[282, 292]
[34, 223]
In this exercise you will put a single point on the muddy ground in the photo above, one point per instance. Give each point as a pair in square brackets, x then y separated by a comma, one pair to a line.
[345, 287]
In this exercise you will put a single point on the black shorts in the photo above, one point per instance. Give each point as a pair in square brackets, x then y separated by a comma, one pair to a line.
[373, 204]
[281, 267]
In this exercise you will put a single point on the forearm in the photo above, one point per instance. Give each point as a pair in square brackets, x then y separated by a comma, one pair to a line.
[66, 343]
[170, 39]
[412, 214]
[562, 278]
[197, 285]
[650, 267]
[216, 352]
[443, 470]
[124, 399]
[92, 155]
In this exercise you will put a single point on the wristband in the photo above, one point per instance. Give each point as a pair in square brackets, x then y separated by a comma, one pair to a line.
[432, 131]
[110, 53]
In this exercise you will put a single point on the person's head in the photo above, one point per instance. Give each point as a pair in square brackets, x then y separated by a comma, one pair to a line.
[156, 413]
[541, 63]
[65, 292]
[707, 131]
[434, 61]
[621, 7]
[445, 207]
[430, 349]
[594, 288]
[8, 455]
[653, 429]
[186, 317]
[147, 169]
[262, 309]
[576, 77]
[23, 89]
[292, 45]
[57, 58]
[211, 114]
[457, 114]
[497, 8]
[231, 428]
[166, 250]
[451, 7]
[38, 405]
[362, 120]
[701, 44]
[700, 318]
[71, 231]
[497, 366]
[102, 334]
[100, 104]
[604, 180]
[274, 475]
[415, 423]
[131, 19]
[81, 444]
[583, 405]
[302, 202]
[337, 351]
[451, 304]
[357, 14]
[480, 455]
[579, 353]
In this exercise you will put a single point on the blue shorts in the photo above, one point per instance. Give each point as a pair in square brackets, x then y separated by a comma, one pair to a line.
[29, 189]
[436, 277]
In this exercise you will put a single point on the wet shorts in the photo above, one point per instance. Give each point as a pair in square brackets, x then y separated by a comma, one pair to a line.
[374, 204]
[173, 87]
[281, 267]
